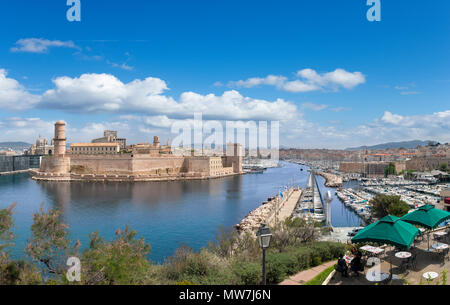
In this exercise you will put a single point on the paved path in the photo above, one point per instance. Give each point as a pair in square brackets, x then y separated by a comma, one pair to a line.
[287, 208]
[306, 275]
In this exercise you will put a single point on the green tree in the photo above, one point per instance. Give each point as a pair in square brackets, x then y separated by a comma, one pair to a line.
[6, 223]
[444, 167]
[390, 170]
[383, 205]
[122, 261]
[13, 272]
[49, 244]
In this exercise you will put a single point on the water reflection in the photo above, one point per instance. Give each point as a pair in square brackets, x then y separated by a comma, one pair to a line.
[164, 213]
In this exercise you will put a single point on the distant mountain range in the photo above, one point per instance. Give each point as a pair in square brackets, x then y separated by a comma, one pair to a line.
[405, 144]
[14, 145]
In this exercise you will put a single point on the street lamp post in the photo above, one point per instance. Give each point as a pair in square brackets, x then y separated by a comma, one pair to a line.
[264, 235]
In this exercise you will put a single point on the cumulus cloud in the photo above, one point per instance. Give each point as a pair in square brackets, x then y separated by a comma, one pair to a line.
[39, 45]
[13, 95]
[105, 92]
[309, 80]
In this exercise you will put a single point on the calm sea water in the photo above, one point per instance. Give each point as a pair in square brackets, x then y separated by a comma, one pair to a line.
[164, 213]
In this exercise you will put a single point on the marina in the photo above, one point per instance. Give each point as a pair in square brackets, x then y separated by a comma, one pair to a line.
[310, 204]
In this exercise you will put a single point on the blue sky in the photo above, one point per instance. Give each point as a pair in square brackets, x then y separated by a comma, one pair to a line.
[337, 80]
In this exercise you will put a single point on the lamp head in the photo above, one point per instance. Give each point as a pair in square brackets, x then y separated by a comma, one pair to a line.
[264, 236]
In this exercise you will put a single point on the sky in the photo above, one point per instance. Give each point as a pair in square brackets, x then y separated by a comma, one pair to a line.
[332, 78]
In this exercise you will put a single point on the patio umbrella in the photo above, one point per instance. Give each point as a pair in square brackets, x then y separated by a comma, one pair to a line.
[427, 216]
[389, 230]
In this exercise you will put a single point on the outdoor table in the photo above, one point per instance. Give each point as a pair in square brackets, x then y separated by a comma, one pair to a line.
[440, 246]
[376, 276]
[440, 234]
[430, 275]
[403, 255]
[373, 250]
[348, 259]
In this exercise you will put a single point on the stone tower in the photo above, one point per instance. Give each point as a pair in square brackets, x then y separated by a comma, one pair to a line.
[234, 155]
[156, 141]
[60, 138]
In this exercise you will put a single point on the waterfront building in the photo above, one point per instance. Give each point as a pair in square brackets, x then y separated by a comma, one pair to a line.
[110, 136]
[153, 149]
[42, 147]
[94, 148]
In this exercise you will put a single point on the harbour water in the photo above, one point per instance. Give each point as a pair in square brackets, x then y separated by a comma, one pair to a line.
[164, 213]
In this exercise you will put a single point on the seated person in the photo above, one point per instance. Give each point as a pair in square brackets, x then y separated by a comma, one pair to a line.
[356, 264]
[342, 266]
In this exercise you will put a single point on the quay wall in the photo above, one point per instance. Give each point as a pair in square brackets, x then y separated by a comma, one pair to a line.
[374, 169]
[90, 164]
[426, 164]
[18, 163]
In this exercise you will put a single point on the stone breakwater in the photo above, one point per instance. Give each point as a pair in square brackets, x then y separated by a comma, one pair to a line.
[39, 176]
[266, 212]
[331, 180]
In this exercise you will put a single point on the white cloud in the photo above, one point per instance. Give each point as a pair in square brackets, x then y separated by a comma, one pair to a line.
[13, 95]
[25, 129]
[39, 45]
[313, 106]
[309, 80]
[409, 92]
[104, 92]
[340, 77]
[391, 118]
[271, 80]
[123, 66]
[390, 127]
[297, 86]
[340, 109]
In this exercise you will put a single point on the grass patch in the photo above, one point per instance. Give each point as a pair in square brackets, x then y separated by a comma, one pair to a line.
[321, 277]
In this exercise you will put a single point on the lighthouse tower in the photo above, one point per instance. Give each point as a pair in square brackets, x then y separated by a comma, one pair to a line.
[60, 139]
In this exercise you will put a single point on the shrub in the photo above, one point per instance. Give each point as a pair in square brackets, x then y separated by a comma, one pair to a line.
[277, 267]
[121, 261]
[248, 273]
[316, 261]
[185, 282]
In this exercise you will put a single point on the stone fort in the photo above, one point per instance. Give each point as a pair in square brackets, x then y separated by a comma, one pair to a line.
[144, 162]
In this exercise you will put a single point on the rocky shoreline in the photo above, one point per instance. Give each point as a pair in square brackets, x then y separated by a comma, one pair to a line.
[262, 214]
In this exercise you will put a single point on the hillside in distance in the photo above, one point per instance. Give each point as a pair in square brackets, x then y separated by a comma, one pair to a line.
[404, 144]
[14, 145]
